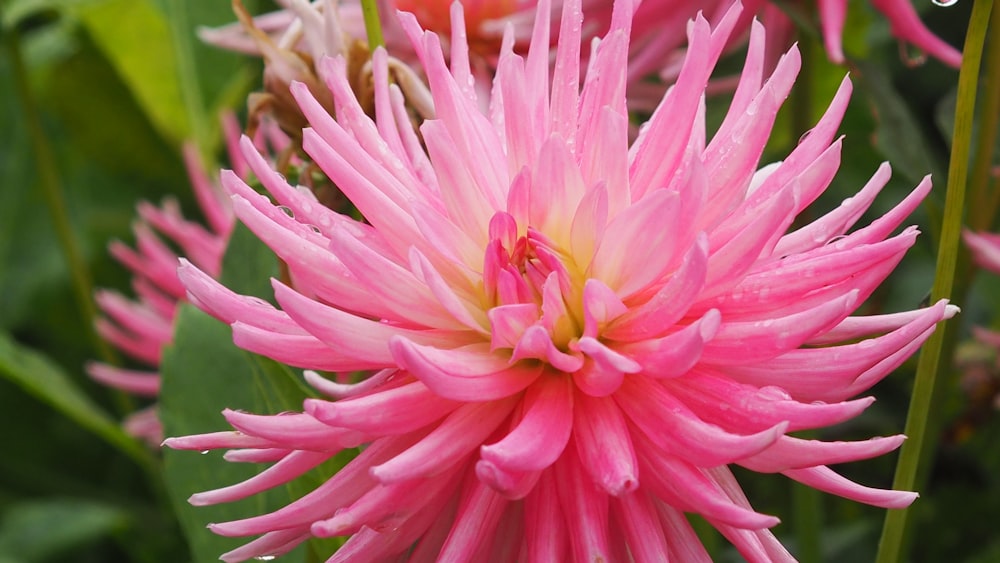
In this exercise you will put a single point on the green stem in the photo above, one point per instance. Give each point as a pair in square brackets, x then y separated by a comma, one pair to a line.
[808, 522]
[48, 179]
[892, 548]
[373, 25]
[984, 200]
[187, 68]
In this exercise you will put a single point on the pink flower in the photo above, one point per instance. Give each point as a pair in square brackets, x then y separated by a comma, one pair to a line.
[140, 328]
[985, 249]
[568, 337]
[904, 22]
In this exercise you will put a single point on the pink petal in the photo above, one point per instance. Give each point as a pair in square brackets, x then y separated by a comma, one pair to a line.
[673, 355]
[793, 453]
[604, 445]
[687, 488]
[349, 334]
[544, 521]
[292, 466]
[642, 529]
[741, 342]
[671, 426]
[588, 505]
[397, 410]
[732, 405]
[824, 479]
[460, 433]
[539, 438]
[465, 374]
[655, 316]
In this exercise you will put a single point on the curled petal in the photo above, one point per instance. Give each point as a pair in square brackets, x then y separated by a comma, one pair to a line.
[542, 433]
[793, 453]
[396, 410]
[464, 375]
[824, 479]
[674, 355]
[671, 426]
[460, 433]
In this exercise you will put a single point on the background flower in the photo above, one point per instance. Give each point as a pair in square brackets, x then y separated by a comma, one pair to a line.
[569, 337]
[142, 327]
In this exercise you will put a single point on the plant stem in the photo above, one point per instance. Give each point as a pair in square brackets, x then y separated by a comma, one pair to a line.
[985, 201]
[187, 69]
[373, 24]
[892, 547]
[49, 182]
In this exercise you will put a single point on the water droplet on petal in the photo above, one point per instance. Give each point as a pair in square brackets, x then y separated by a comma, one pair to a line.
[203, 452]
[773, 393]
[287, 210]
[944, 3]
[265, 557]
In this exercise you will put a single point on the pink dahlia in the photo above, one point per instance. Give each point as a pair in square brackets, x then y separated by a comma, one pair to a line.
[904, 22]
[568, 337]
[985, 248]
[140, 328]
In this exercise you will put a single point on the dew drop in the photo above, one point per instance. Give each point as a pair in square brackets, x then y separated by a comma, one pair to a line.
[944, 3]
[287, 210]
[265, 557]
[203, 452]
[315, 229]
[773, 393]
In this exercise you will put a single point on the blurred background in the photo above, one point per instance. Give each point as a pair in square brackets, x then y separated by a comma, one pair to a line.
[96, 98]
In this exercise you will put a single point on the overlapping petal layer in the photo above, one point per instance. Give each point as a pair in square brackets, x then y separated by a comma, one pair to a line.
[569, 336]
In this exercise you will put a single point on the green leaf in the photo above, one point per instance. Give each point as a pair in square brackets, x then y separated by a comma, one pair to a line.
[39, 530]
[204, 373]
[41, 378]
[248, 265]
[135, 37]
[898, 132]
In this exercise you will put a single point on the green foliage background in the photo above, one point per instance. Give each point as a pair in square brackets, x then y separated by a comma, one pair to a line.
[115, 86]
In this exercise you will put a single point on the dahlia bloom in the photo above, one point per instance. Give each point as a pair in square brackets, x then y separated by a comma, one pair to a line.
[904, 22]
[985, 248]
[567, 337]
[140, 328]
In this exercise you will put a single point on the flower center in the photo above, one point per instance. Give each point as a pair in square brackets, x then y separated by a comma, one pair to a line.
[530, 278]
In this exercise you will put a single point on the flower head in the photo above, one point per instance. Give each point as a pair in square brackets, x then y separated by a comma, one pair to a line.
[567, 336]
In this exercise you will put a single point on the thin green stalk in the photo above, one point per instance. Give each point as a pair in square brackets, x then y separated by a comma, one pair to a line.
[373, 24]
[808, 518]
[48, 179]
[187, 68]
[892, 547]
[986, 201]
